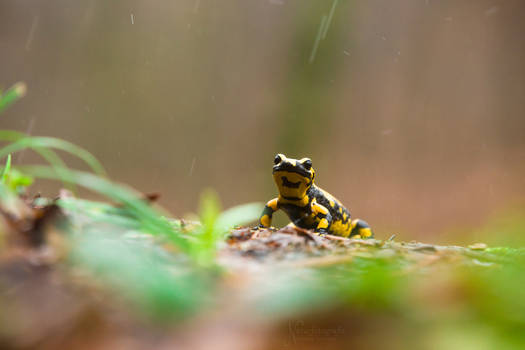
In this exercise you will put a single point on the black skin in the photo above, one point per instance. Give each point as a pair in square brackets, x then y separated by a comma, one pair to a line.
[298, 214]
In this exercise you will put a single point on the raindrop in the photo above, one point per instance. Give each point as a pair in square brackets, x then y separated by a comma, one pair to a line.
[192, 166]
[31, 34]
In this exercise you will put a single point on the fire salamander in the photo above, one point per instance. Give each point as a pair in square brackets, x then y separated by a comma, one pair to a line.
[307, 205]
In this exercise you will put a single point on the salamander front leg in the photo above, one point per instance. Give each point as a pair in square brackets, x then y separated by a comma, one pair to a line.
[266, 216]
[325, 218]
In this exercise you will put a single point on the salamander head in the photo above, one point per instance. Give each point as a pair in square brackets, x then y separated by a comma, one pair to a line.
[293, 177]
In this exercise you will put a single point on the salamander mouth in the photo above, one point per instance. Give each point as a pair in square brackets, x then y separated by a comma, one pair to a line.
[290, 184]
[292, 169]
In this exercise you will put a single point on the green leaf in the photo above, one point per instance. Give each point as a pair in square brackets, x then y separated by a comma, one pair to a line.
[238, 215]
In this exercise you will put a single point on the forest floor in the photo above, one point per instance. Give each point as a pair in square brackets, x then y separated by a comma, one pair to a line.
[264, 289]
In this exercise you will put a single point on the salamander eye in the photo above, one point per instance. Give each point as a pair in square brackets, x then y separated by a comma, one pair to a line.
[277, 159]
[307, 164]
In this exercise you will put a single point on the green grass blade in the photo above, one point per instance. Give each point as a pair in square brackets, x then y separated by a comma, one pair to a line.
[150, 219]
[150, 280]
[38, 143]
[215, 224]
[11, 135]
[16, 92]
[99, 212]
[48, 154]
[5, 171]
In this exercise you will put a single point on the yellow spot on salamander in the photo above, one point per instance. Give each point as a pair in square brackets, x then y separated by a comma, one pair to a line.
[273, 204]
[265, 220]
[323, 224]
[365, 232]
[317, 208]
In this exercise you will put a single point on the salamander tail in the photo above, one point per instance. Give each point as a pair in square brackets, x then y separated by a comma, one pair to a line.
[360, 229]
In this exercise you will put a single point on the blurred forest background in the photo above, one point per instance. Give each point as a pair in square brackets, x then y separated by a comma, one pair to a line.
[412, 111]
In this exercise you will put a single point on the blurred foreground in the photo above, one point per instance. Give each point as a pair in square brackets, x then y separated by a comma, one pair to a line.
[72, 276]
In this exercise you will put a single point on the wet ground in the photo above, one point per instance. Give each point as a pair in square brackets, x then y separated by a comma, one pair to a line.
[287, 288]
